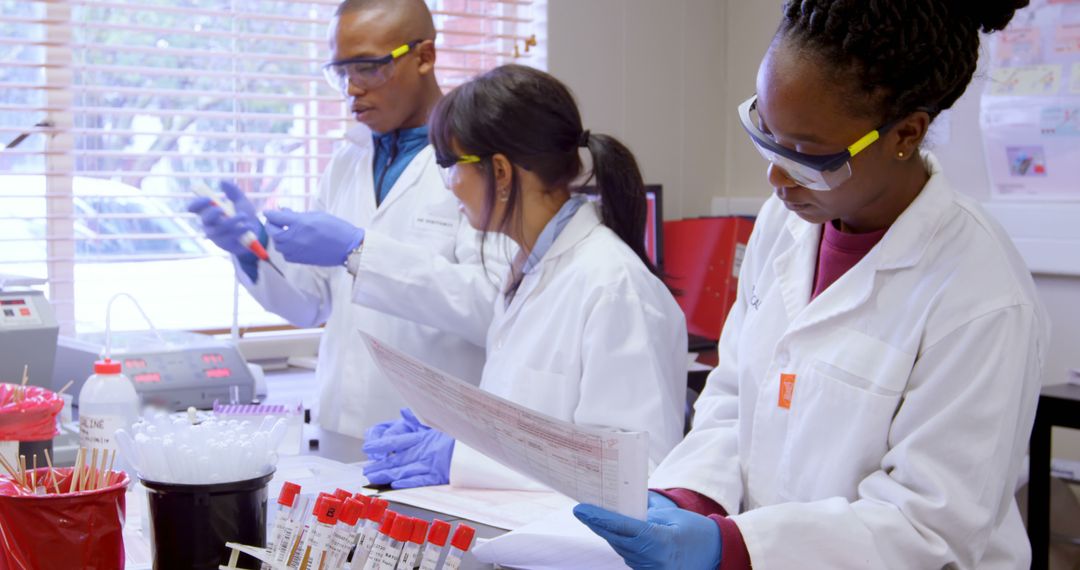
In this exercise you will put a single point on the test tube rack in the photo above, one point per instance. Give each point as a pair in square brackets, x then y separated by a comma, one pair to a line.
[256, 552]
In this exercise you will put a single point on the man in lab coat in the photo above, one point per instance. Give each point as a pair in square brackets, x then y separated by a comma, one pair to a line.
[382, 186]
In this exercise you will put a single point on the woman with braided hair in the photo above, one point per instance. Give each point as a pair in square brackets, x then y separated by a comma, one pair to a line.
[879, 371]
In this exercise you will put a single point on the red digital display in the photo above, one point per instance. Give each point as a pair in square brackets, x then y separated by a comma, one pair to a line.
[9, 302]
[134, 363]
[148, 377]
[213, 359]
[218, 373]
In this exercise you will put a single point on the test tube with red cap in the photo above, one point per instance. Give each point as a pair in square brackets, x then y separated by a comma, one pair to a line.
[436, 540]
[377, 550]
[286, 502]
[346, 530]
[317, 544]
[375, 512]
[410, 553]
[463, 538]
[399, 537]
[342, 495]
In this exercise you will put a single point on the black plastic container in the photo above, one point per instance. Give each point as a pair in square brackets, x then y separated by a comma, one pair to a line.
[190, 524]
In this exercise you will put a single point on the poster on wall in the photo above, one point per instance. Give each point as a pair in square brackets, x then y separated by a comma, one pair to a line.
[1030, 114]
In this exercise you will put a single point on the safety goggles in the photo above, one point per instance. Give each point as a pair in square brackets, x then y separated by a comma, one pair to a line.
[365, 73]
[813, 171]
[448, 163]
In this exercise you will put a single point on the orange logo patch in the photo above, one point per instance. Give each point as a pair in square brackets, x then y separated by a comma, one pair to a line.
[787, 389]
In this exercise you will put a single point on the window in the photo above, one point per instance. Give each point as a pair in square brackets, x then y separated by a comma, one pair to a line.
[112, 110]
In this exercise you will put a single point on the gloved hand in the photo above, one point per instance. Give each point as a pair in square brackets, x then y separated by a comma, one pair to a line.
[223, 230]
[656, 500]
[672, 538]
[407, 454]
[312, 238]
[407, 424]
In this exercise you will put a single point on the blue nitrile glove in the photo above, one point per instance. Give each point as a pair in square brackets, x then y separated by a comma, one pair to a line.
[407, 424]
[223, 230]
[672, 538]
[415, 459]
[312, 238]
[658, 501]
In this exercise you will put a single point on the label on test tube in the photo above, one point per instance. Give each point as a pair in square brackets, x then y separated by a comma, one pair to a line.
[463, 538]
[286, 501]
[410, 554]
[399, 537]
[345, 532]
[318, 546]
[381, 541]
[291, 535]
[376, 511]
[440, 531]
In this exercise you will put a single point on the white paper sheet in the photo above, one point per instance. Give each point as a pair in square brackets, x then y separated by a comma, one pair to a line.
[501, 509]
[590, 465]
[555, 542]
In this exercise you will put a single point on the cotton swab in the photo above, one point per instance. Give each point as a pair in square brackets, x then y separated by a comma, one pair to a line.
[73, 487]
[48, 460]
[66, 386]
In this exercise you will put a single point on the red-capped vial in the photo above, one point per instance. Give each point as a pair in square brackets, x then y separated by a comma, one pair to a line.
[410, 553]
[346, 531]
[399, 537]
[381, 542]
[342, 494]
[437, 536]
[374, 514]
[285, 503]
[462, 542]
[317, 548]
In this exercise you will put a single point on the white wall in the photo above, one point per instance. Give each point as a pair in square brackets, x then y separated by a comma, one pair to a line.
[667, 77]
[651, 74]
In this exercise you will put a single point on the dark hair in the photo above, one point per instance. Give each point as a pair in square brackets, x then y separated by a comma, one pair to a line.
[532, 119]
[902, 55]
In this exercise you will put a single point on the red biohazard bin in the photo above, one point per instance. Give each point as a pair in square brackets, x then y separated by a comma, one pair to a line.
[72, 530]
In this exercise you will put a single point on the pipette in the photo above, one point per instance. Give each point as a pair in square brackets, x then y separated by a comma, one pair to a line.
[248, 239]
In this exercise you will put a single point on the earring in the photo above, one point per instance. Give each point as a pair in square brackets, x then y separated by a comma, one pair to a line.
[900, 154]
[504, 197]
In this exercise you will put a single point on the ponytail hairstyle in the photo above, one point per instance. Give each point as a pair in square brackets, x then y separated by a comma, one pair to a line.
[901, 56]
[531, 118]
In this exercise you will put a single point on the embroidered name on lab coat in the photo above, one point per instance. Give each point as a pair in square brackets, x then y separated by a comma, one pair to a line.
[433, 223]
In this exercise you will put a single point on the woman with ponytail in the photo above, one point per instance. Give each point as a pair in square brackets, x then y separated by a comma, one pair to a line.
[880, 367]
[584, 330]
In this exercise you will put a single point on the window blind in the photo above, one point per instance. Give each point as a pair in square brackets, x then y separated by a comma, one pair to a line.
[120, 107]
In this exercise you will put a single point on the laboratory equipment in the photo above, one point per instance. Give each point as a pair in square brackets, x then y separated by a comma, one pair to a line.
[410, 553]
[249, 240]
[107, 403]
[436, 540]
[462, 542]
[171, 370]
[28, 333]
[287, 501]
[382, 540]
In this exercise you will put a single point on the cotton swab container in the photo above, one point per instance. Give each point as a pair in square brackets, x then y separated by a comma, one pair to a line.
[79, 529]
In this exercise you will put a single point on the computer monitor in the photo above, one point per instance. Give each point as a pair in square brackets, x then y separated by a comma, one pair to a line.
[654, 220]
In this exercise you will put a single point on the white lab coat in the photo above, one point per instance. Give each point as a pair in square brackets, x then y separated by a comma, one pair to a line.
[590, 337]
[917, 374]
[421, 213]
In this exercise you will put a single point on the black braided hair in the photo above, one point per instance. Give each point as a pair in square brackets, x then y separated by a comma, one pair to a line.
[900, 55]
